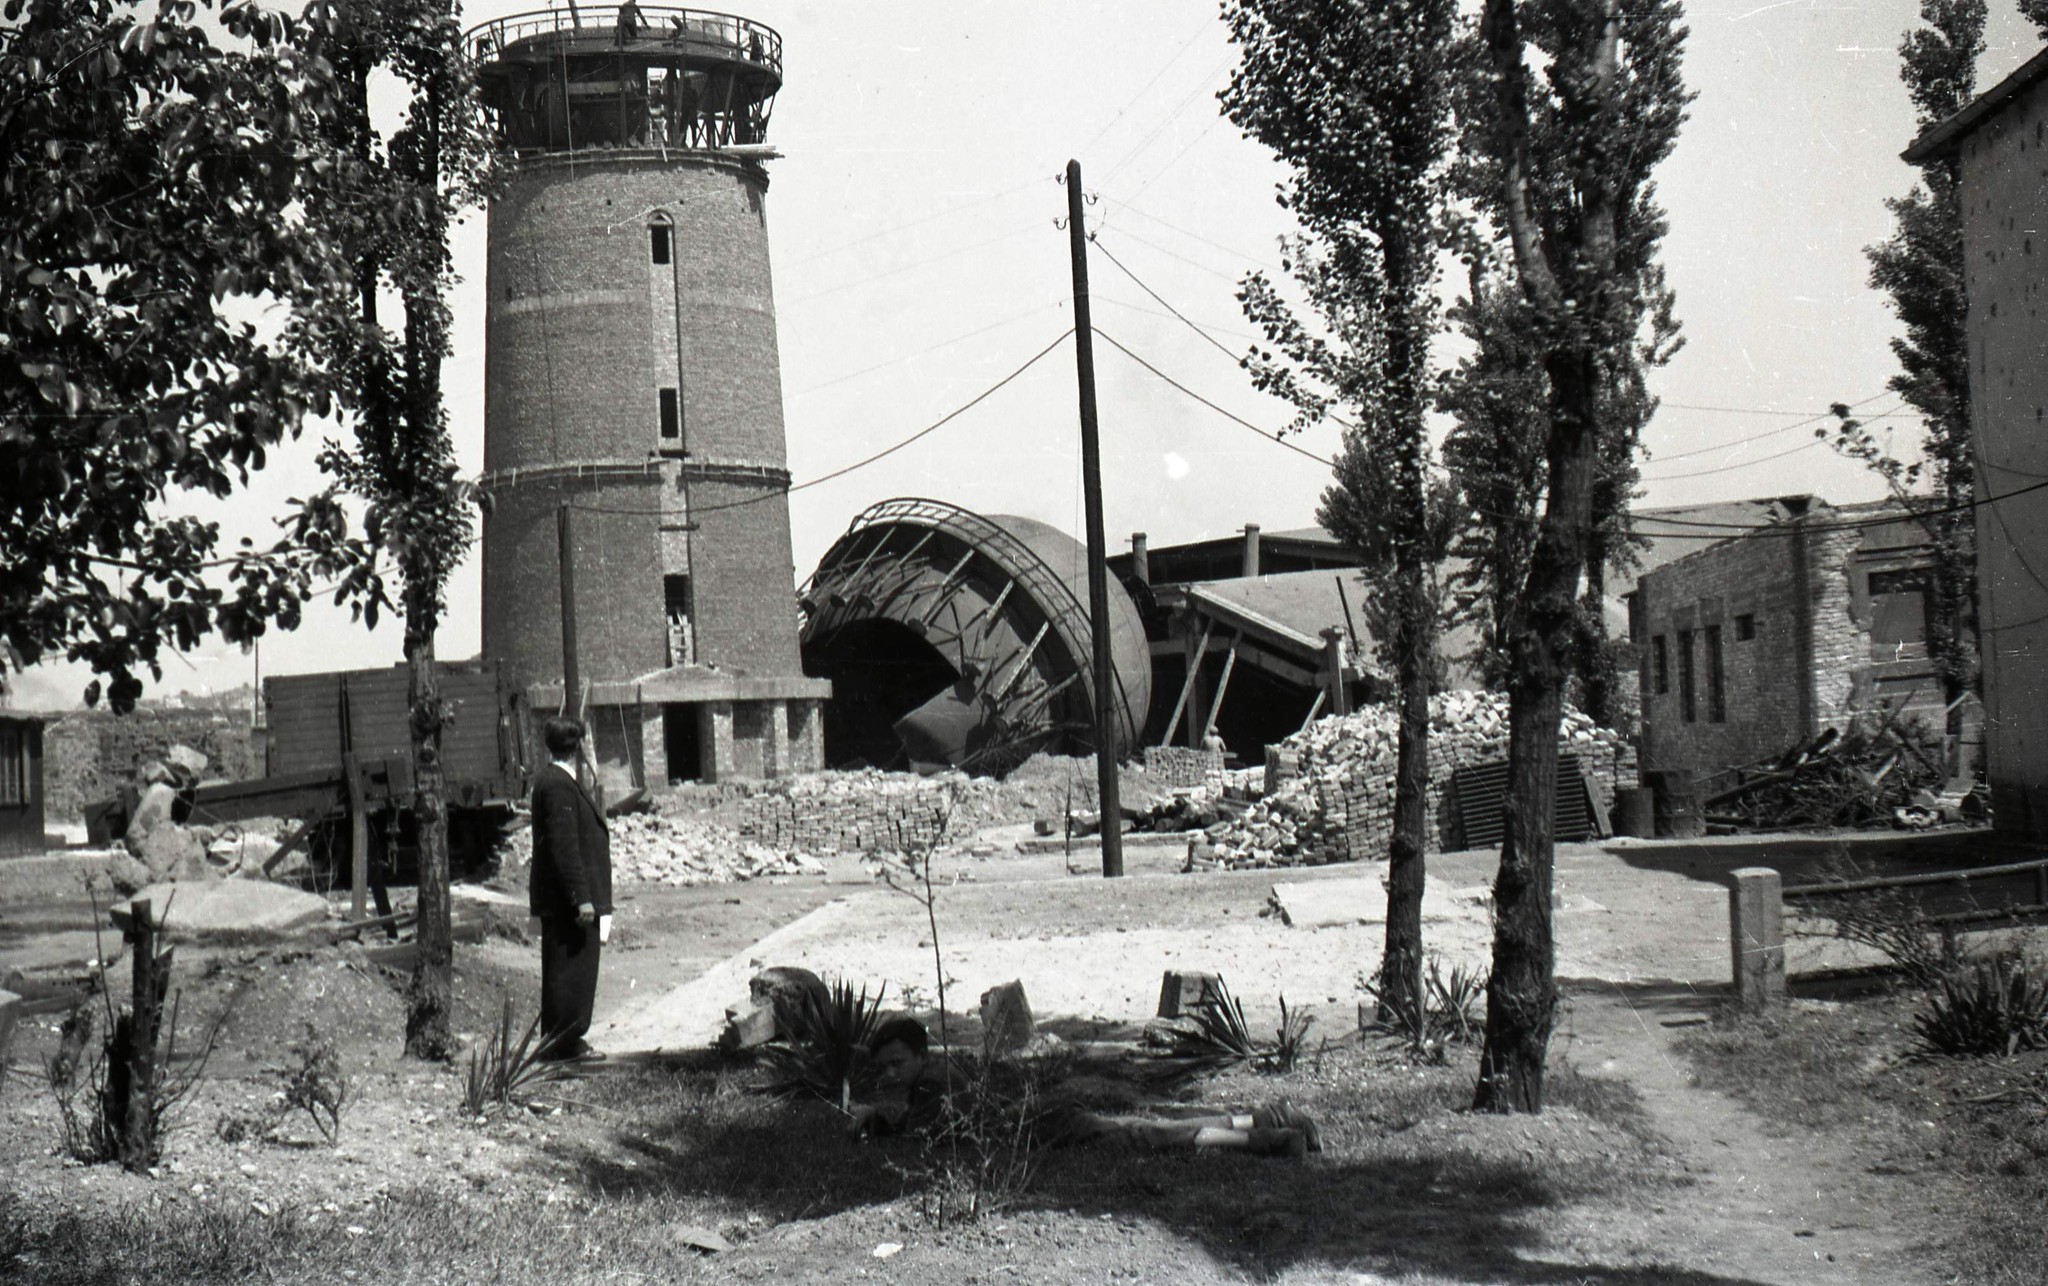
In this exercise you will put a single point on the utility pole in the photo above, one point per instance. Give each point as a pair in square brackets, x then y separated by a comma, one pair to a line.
[1098, 573]
[566, 556]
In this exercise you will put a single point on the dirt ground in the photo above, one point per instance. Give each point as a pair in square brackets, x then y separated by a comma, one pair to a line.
[1642, 941]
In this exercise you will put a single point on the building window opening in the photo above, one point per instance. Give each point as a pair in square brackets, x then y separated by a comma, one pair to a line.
[1900, 603]
[1663, 660]
[678, 609]
[1688, 695]
[1745, 628]
[671, 416]
[659, 242]
[13, 767]
[1717, 691]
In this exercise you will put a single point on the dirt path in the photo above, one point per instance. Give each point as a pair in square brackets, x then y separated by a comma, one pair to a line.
[1756, 1205]
[1768, 1206]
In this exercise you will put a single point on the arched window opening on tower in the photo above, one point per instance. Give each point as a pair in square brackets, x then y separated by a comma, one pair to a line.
[658, 242]
[671, 416]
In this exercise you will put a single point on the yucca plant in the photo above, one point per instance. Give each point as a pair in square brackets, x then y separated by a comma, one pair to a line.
[1290, 1041]
[1449, 1013]
[502, 1072]
[1214, 1035]
[1997, 1006]
[825, 1052]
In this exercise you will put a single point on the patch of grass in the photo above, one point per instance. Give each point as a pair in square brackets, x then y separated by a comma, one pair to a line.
[1982, 1169]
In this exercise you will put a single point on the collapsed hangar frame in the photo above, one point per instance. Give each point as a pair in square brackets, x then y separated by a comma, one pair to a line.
[962, 640]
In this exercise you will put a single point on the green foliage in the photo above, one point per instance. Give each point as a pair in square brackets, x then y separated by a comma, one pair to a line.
[825, 1053]
[504, 1072]
[1214, 1036]
[1920, 269]
[157, 177]
[1997, 1006]
[316, 1084]
[1449, 1015]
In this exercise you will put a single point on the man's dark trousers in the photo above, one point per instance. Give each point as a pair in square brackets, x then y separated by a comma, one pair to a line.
[568, 981]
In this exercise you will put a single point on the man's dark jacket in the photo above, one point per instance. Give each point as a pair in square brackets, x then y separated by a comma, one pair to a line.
[572, 849]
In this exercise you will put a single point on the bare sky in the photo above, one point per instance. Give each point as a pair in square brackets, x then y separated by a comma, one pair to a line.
[916, 263]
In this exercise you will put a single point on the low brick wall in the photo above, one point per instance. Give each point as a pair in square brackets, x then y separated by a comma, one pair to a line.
[89, 755]
[1184, 767]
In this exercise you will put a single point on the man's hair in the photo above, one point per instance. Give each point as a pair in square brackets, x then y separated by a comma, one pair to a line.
[563, 736]
[908, 1032]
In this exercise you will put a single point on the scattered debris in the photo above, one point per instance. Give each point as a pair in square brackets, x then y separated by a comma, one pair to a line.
[1878, 772]
[1329, 789]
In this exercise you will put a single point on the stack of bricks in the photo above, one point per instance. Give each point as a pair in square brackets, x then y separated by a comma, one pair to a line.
[1184, 767]
[1330, 788]
[869, 812]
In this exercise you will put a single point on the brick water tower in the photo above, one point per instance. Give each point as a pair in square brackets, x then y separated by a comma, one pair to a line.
[633, 395]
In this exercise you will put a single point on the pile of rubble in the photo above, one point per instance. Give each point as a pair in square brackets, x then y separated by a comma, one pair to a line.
[868, 811]
[668, 848]
[1329, 789]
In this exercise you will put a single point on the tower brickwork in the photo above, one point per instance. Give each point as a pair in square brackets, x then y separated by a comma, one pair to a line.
[632, 379]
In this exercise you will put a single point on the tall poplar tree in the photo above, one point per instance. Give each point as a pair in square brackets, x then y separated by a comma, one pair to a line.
[395, 199]
[1920, 266]
[1561, 170]
[1356, 101]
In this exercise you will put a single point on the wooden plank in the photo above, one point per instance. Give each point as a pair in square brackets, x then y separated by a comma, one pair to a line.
[1222, 686]
[1194, 672]
[359, 840]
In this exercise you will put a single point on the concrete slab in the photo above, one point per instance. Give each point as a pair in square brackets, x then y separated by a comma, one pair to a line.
[1328, 903]
[63, 877]
[232, 910]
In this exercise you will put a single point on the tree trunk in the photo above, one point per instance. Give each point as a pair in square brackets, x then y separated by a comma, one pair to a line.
[1401, 993]
[1596, 667]
[1521, 996]
[430, 998]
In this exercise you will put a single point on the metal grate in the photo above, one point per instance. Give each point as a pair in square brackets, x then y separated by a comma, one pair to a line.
[1479, 793]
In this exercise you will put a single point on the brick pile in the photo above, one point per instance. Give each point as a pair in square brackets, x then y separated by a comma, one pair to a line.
[665, 848]
[867, 811]
[1184, 767]
[1329, 793]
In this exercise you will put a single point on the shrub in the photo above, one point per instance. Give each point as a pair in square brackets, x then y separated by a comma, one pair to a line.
[503, 1072]
[825, 1052]
[316, 1084]
[1996, 1006]
[1451, 1009]
[1214, 1036]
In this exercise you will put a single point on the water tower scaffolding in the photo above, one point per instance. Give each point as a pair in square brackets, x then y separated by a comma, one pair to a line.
[631, 378]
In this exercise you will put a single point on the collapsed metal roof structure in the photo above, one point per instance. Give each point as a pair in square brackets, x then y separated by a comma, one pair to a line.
[962, 640]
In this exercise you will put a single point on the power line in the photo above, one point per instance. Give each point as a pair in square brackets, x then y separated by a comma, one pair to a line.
[1772, 529]
[932, 348]
[1190, 323]
[890, 450]
[1730, 468]
[905, 226]
[1274, 438]
[916, 263]
[1771, 433]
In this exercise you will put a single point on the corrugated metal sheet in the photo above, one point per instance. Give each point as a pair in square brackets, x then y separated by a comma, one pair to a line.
[1481, 792]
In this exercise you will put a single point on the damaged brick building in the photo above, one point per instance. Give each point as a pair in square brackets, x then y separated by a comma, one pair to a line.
[1760, 641]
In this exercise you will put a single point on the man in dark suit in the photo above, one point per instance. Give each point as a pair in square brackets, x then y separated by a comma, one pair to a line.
[571, 894]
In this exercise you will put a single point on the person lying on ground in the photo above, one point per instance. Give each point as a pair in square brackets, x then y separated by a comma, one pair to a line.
[922, 1093]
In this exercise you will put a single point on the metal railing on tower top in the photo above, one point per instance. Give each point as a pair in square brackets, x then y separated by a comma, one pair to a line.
[660, 30]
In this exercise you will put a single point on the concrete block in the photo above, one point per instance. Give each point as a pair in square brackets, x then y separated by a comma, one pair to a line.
[1756, 937]
[232, 910]
[10, 1010]
[1182, 991]
[748, 1027]
[1006, 1021]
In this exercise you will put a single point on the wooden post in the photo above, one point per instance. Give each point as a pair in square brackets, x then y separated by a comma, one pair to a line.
[1098, 573]
[1333, 666]
[1193, 657]
[1756, 937]
[566, 555]
[358, 839]
[138, 1126]
[1222, 686]
[10, 1010]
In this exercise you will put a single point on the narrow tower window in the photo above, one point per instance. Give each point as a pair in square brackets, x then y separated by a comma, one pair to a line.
[658, 242]
[1717, 691]
[671, 416]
